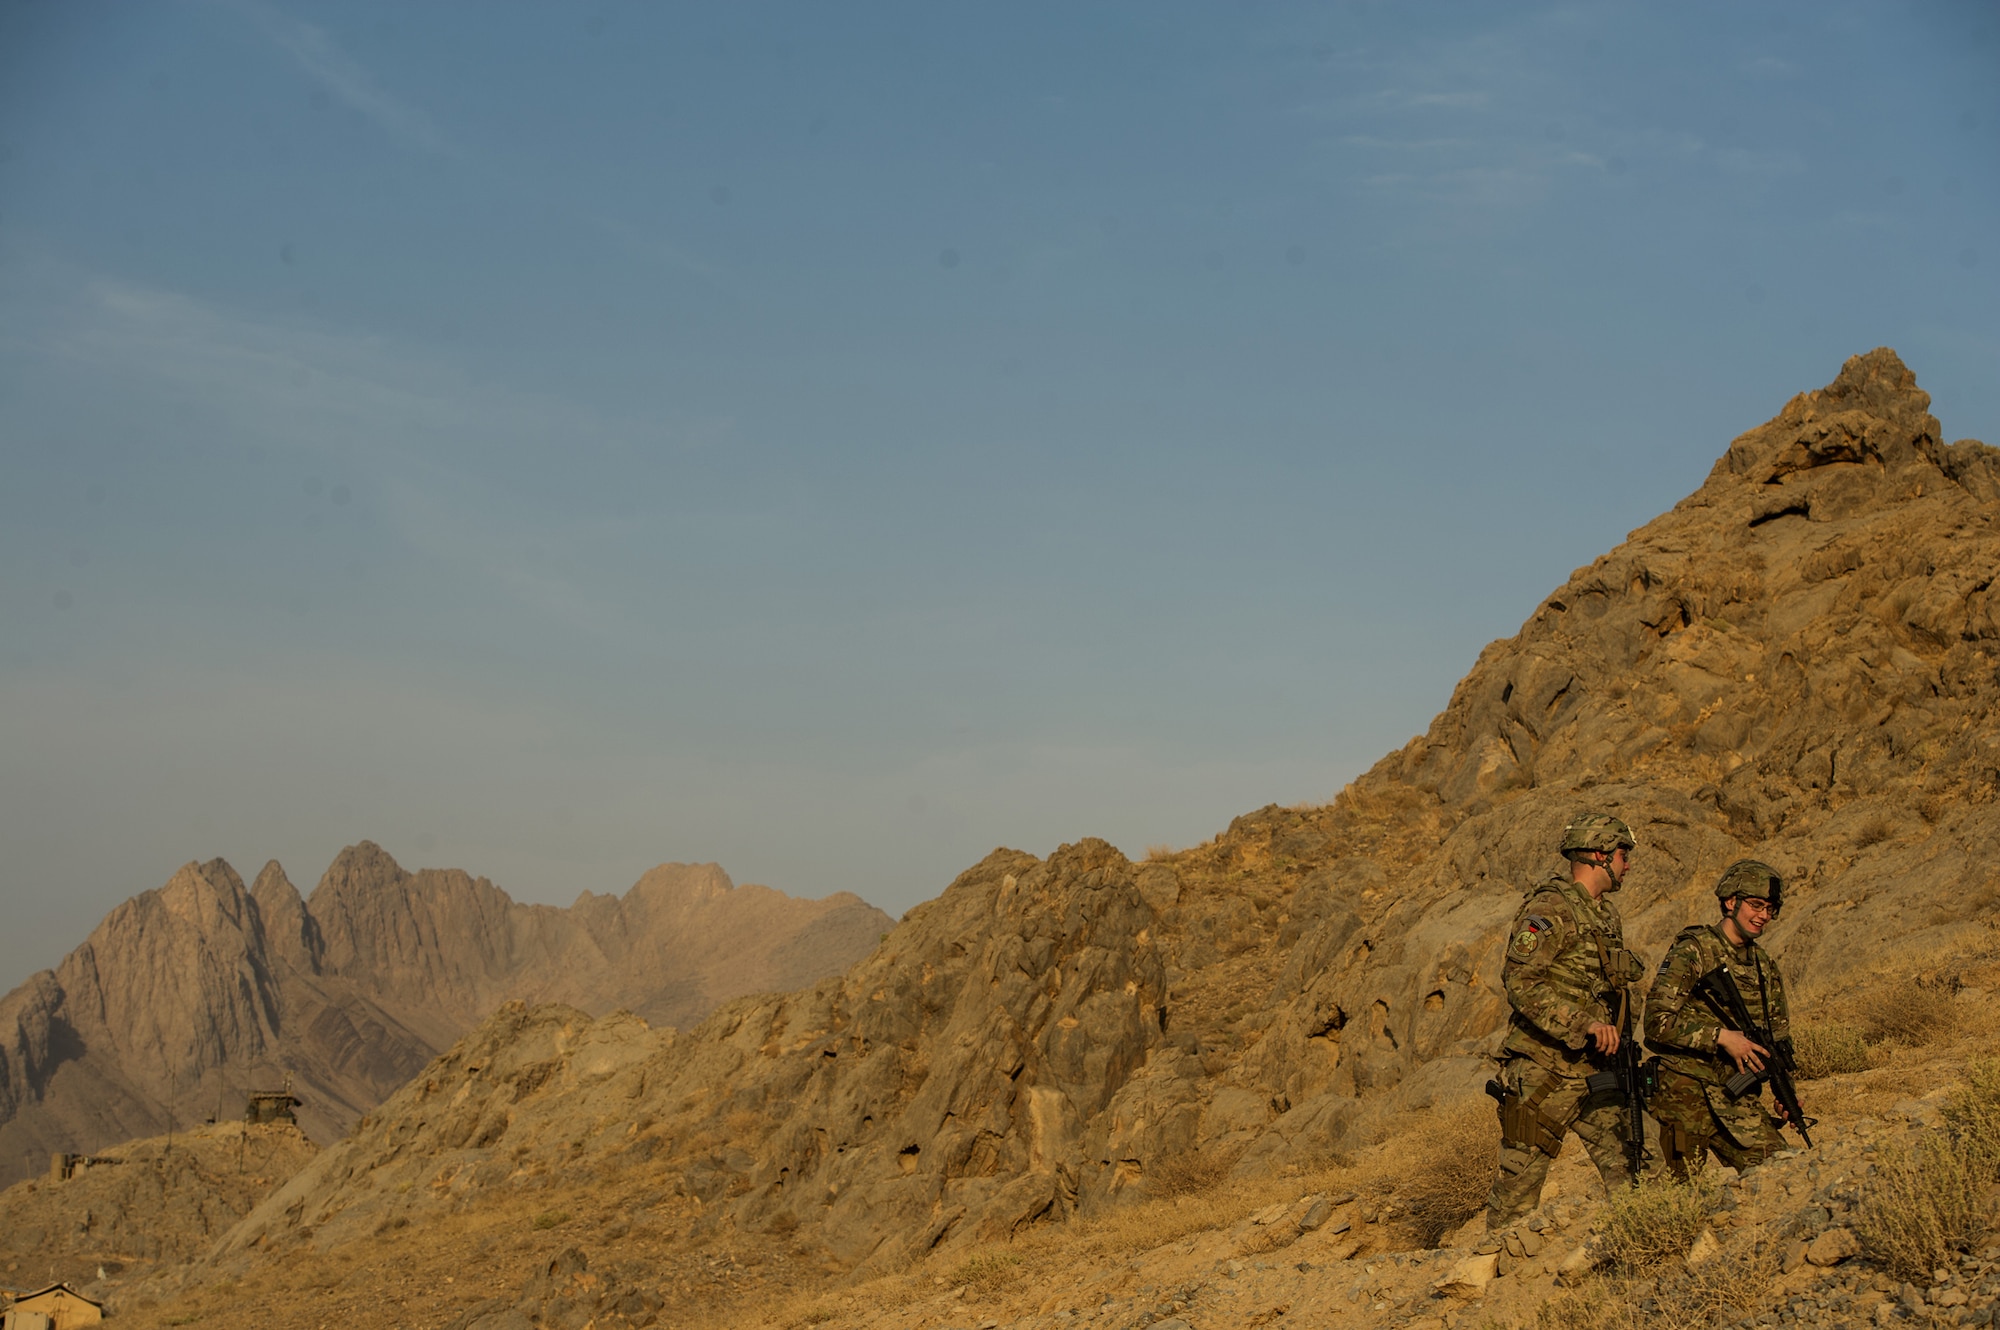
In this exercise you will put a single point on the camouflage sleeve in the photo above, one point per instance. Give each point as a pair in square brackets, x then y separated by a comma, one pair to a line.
[1539, 989]
[1676, 1021]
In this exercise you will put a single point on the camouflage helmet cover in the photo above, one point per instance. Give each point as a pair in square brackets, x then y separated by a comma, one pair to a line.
[1751, 878]
[1596, 831]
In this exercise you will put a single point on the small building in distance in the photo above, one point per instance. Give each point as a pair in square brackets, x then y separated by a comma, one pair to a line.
[63, 1167]
[267, 1106]
[57, 1307]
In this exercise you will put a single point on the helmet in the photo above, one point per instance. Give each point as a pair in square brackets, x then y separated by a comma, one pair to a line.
[1596, 831]
[1753, 878]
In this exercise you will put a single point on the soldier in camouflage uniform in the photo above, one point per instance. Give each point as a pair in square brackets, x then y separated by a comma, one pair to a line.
[1696, 1052]
[1569, 980]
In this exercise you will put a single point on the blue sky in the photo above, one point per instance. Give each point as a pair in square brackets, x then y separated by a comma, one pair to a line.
[837, 440]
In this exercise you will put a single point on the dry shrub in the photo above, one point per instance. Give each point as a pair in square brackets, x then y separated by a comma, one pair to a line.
[1829, 1048]
[986, 1271]
[1873, 831]
[1972, 1118]
[1922, 1204]
[1930, 1199]
[1909, 1012]
[1651, 1225]
[1190, 1172]
[1447, 1169]
[1713, 1293]
[1595, 1304]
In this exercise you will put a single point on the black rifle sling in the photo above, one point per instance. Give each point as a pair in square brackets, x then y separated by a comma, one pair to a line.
[1763, 995]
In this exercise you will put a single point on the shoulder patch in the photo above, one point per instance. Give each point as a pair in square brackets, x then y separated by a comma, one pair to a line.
[1528, 936]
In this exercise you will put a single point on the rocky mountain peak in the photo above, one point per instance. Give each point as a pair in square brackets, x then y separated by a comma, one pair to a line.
[678, 885]
[207, 897]
[360, 869]
[289, 930]
[1865, 439]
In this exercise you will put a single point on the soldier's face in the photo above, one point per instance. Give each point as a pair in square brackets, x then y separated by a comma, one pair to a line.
[1618, 863]
[1751, 914]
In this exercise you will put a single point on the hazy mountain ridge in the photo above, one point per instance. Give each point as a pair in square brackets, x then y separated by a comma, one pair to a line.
[1795, 662]
[187, 994]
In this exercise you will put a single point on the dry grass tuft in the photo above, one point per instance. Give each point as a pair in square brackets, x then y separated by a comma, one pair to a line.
[1595, 1304]
[1873, 831]
[1447, 1169]
[1716, 1292]
[987, 1271]
[1652, 1225]
[1909, 1012]
[1191, 1173]
[1830, 1048]
[1929, 1200]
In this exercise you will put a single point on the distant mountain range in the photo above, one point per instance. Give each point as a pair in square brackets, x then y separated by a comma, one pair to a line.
[186, 996]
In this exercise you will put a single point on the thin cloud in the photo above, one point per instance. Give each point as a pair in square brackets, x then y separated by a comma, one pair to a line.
[1392, 100]
[409, 421]
[322, 60]
[1405, 145]
[1469, 99]
[651, 246]
[1744, 161]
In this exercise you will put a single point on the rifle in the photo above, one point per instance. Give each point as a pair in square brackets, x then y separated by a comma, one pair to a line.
[1632, 1083]
[1626, 1079]
[1719, 988]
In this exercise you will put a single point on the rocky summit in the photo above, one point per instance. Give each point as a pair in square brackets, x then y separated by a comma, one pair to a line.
[1796, 662]
[185, 997]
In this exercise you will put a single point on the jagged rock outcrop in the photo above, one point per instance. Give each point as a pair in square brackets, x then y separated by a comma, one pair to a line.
[1796, 662]
[959, 1077]
[186, 996]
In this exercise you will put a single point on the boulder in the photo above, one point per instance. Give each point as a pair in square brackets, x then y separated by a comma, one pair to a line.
[1833, 1246]
[1468, 1278]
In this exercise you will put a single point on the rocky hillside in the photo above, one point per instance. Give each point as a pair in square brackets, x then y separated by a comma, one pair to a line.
[142, 1205]
[186, 996]
[1795, 662]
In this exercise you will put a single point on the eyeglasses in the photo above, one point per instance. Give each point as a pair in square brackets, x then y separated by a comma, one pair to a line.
[1756, 904]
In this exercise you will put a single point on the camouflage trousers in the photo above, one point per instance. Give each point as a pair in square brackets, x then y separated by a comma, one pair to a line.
[1567, 1107]
[1696, 1118]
